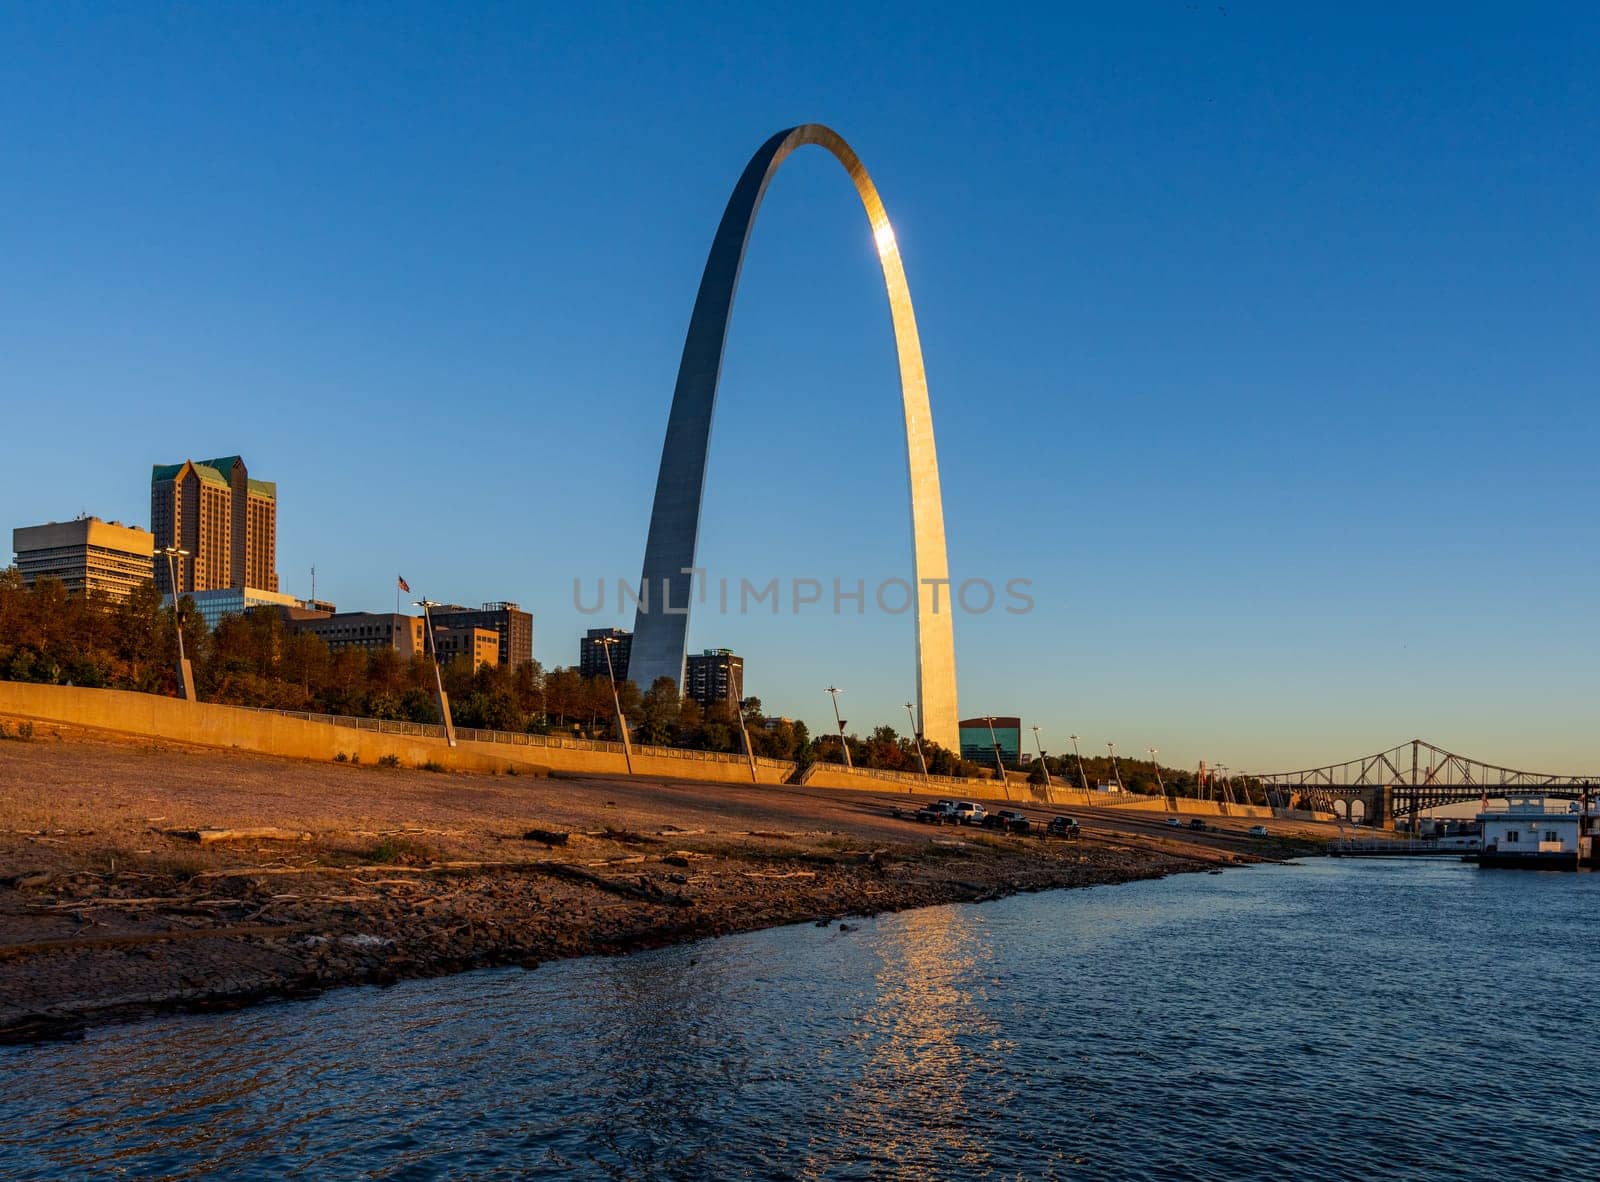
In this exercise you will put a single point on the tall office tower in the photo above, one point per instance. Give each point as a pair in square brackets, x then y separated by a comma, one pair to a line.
[592, 654]
[227, 522]
[715, 675]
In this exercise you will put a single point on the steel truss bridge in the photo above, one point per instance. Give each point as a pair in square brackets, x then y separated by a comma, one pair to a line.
[1413, 776]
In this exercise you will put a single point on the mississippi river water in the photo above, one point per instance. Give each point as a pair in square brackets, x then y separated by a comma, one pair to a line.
[1328, 1020]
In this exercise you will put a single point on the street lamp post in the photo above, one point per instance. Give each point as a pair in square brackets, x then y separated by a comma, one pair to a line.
[999, 762]
[1115, 774]
[1083, 776]
[605, 642]
[844, 747]
[916, 734]
[185, 670]
[427, 605]
[738, 706]
[1043, 766]
[1160, 783]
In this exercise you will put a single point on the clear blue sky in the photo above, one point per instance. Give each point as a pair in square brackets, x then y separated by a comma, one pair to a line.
[1261, 338]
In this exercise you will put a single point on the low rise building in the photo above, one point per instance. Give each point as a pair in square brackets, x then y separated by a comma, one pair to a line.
[89, 555]
[978, 743]
[512, 626]
[218, 602]
[482, 645]
[367, 630]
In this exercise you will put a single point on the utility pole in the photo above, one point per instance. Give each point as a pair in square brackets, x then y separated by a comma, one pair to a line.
[1115, 774]
[844, 747]
[738, 705]
[185, 669]
[1045, 767]
[605, 642]
[1083, 776]
[427, 605]
[1160, 783]
[916, 734]
[999, 762]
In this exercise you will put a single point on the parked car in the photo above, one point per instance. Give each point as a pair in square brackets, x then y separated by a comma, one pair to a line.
[940, 812]
[1198, 823]
[1258, 831]
[1008, 820]
[968, 812]
[1174, 823]
[1063, 827]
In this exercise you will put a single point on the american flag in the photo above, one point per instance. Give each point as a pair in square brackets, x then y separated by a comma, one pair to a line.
[400, 582]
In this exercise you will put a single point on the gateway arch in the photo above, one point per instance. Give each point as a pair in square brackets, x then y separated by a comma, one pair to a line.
[662, 622]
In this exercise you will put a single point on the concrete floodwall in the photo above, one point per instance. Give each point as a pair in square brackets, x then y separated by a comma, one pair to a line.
[322, 737]
[1187, 804]
[834, 775]
[1302, 815]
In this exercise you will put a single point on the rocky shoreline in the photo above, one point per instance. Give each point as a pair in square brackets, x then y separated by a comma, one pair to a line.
[113, 914]
[143, 942]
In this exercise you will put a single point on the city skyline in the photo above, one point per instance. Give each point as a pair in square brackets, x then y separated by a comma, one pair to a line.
[1270, 516]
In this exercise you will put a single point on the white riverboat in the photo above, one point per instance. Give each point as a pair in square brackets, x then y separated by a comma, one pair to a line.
[1538, 833]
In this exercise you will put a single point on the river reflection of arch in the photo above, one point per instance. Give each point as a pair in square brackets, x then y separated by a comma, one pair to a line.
[922, 1089]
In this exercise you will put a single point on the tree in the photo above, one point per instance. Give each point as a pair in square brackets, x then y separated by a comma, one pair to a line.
[659, 710]
[565, 696]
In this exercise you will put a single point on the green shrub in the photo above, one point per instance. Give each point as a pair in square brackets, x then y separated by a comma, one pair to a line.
[431, 765]
[341, 758]
[390, 760]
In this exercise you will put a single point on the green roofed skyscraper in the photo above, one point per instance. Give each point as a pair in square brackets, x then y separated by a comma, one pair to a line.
[226, 521]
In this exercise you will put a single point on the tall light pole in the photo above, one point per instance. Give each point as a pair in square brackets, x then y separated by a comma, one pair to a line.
[427, 605]
[1226, 788]
[1083, 776]
[605, 642]
[185, 670]
[844, 747]
[911, 712]
[1160, 783]
[1115, 774]
[738, 707]
[998, 761]
[1042, 764]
